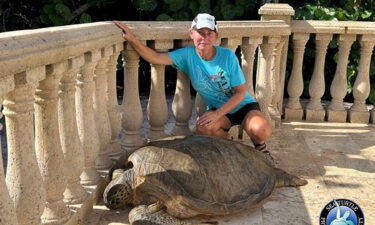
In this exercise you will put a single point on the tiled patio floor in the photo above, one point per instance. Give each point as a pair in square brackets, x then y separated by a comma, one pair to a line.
[337, 159]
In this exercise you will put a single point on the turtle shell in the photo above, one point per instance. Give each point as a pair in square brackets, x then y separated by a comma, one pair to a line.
[206, 175]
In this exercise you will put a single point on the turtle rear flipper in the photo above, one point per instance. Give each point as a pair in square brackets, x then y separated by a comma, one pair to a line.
[147, 215]
[284, 179]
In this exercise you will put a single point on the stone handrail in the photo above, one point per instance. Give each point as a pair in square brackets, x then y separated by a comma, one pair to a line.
[347, 33]
[58, 92]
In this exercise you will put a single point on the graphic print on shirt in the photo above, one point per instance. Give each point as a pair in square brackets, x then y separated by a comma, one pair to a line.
[217, 85]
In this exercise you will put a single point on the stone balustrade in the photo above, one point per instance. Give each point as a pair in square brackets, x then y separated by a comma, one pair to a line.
[63, 120]
[346, 33]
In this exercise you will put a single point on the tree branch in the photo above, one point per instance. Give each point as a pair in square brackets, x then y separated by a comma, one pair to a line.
[79, 11]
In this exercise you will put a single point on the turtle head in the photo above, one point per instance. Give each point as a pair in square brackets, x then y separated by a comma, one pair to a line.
[119, 192]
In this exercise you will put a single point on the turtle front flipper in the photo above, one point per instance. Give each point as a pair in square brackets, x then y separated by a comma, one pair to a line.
[154, 214]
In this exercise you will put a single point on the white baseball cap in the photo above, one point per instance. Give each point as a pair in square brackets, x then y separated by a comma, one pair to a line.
[204, 20]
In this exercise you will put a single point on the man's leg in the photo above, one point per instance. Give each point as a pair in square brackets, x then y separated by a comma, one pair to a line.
[257, 127]
[217, 129]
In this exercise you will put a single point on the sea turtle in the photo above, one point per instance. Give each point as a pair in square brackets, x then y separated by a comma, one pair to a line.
[194, 175]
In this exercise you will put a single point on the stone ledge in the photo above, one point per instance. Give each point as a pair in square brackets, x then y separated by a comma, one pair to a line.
[337, 116]
[293, 114]
[315, 115]
[359, 117]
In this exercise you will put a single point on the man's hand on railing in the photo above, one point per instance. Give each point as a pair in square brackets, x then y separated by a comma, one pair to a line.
[126, 33]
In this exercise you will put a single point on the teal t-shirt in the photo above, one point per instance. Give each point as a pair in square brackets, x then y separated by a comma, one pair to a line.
[214, 79]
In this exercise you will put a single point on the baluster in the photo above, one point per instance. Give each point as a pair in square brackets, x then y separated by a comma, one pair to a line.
[131, 105]
[248, 48]
[23, 178]
[266, 63]
[7, 212]
[336, 111]
[48, 146]
[276, 84]
[87, 131]
[182, 105]
[112, 102]
[157, 111]
[314, 110]
[293, 109]
[100, 110]
[70, 143]
[373, 115]
[358, 112]
[199, 105]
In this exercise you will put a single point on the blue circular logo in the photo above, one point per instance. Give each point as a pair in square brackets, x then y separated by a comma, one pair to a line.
[341, 212]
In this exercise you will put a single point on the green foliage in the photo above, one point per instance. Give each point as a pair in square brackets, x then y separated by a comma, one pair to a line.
[342, 10]
[187, 9]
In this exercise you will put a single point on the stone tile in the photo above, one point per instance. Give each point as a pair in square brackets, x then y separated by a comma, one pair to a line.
[320, 143]
[315, 192]
[252, 216]
[336, 163]
[358, 189]
[290, 213]
[298, 163]
[103, 216]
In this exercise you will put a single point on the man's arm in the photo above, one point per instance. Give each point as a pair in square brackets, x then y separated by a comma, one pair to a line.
[145, 52]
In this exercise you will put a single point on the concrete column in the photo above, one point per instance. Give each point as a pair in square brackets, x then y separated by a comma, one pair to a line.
[182, 105]
[248, 48]
[293, 109]
[314, 110]
[336, 111]
[271, 11]
[86, 124]
[100, 109]
[23, 179]
[157, 111]
[70, 143]
[131, 105]
[48, 147]
[113, 107]
[263, 96]
[7, 212]
[358, 112]
[276, 84]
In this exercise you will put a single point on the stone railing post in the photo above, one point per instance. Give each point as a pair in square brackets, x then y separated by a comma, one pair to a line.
[86, 124]
[271, 11]
[336, 111]
[131, 104]
[358, 112]
[113, 107]
[23, 178]
[266, 67]
[182, 104]
[7, 212]
[100, 109]
[314, 110]
[70, 143]
[293, 109]
[47, 145]
[157, 111]
[248, 48]
[277, 82]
